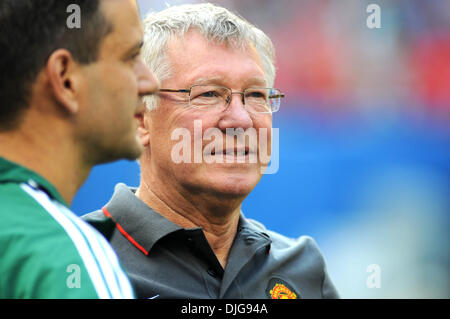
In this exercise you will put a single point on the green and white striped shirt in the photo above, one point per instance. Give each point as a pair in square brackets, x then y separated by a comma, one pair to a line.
[46, 251]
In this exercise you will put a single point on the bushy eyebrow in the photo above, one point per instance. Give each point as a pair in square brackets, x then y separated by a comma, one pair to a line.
[256, 81]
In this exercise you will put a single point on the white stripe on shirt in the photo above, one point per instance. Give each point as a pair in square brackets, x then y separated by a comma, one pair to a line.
[119, 282]
[99, 259]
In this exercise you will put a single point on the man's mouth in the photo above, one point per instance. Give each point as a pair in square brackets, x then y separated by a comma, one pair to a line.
[244, 155]
[234, 152]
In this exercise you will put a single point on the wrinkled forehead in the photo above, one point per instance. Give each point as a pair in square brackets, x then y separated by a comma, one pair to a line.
[193, 53]
[181, 37]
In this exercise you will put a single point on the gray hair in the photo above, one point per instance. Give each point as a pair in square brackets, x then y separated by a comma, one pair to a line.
[214, 22]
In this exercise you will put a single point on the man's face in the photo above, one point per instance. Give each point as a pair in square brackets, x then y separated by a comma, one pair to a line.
[194, 60]
[114, 86]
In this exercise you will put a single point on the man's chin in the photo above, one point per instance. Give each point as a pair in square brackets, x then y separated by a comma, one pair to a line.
[233, 186]
[133, 153]
[130, 152]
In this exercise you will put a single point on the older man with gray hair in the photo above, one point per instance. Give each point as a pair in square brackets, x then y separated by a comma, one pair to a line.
[181, 233]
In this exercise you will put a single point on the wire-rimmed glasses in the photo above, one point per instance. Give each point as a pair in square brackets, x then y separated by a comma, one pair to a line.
[255, 100]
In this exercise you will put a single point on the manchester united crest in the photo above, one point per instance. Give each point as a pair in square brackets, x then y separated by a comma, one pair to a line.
[279, 289]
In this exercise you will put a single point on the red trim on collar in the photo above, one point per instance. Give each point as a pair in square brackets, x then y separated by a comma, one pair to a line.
[127, 236]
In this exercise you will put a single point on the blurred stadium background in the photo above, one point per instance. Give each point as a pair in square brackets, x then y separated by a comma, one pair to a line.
[364, 140]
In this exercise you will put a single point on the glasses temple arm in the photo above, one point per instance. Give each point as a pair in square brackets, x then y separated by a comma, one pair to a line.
[174, 91]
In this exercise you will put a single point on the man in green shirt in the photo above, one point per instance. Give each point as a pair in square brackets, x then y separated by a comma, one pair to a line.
[71, 86]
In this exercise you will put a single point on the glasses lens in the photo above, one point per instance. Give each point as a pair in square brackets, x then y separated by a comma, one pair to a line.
[275, 99]
[262, 100]
[208, 96]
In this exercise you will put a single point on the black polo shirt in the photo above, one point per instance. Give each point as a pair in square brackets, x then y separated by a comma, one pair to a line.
[164, 260]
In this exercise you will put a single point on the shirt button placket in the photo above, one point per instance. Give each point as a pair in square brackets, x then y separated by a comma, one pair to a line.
[212, 272]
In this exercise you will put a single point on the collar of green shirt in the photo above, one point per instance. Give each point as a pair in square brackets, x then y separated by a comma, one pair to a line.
[15, 173]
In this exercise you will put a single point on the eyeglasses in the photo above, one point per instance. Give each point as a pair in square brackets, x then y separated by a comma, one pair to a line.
[255, 100]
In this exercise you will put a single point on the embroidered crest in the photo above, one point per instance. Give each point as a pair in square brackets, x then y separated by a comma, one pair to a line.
[279, 289]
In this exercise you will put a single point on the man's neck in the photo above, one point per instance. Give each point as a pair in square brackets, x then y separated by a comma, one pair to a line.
[49, 155]
[219, 229]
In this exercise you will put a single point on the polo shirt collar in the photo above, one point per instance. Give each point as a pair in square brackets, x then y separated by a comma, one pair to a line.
[15, 173]
[142, 223]
[146, 227]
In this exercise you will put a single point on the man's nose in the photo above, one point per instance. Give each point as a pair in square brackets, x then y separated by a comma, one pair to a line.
[235, 115]
[147, 81]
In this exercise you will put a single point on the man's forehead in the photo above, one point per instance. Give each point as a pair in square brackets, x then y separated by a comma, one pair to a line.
[202, 41]
[125, 19]
[220, 79]
[196, 57]
[122, 14]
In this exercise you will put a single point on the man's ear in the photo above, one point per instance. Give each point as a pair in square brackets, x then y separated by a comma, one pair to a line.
[143, 129]
[61, 72]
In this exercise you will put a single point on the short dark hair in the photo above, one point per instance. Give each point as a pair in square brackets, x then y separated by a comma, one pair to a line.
[30, 30]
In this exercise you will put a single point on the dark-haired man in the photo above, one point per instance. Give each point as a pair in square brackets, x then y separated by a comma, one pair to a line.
[70, 99]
